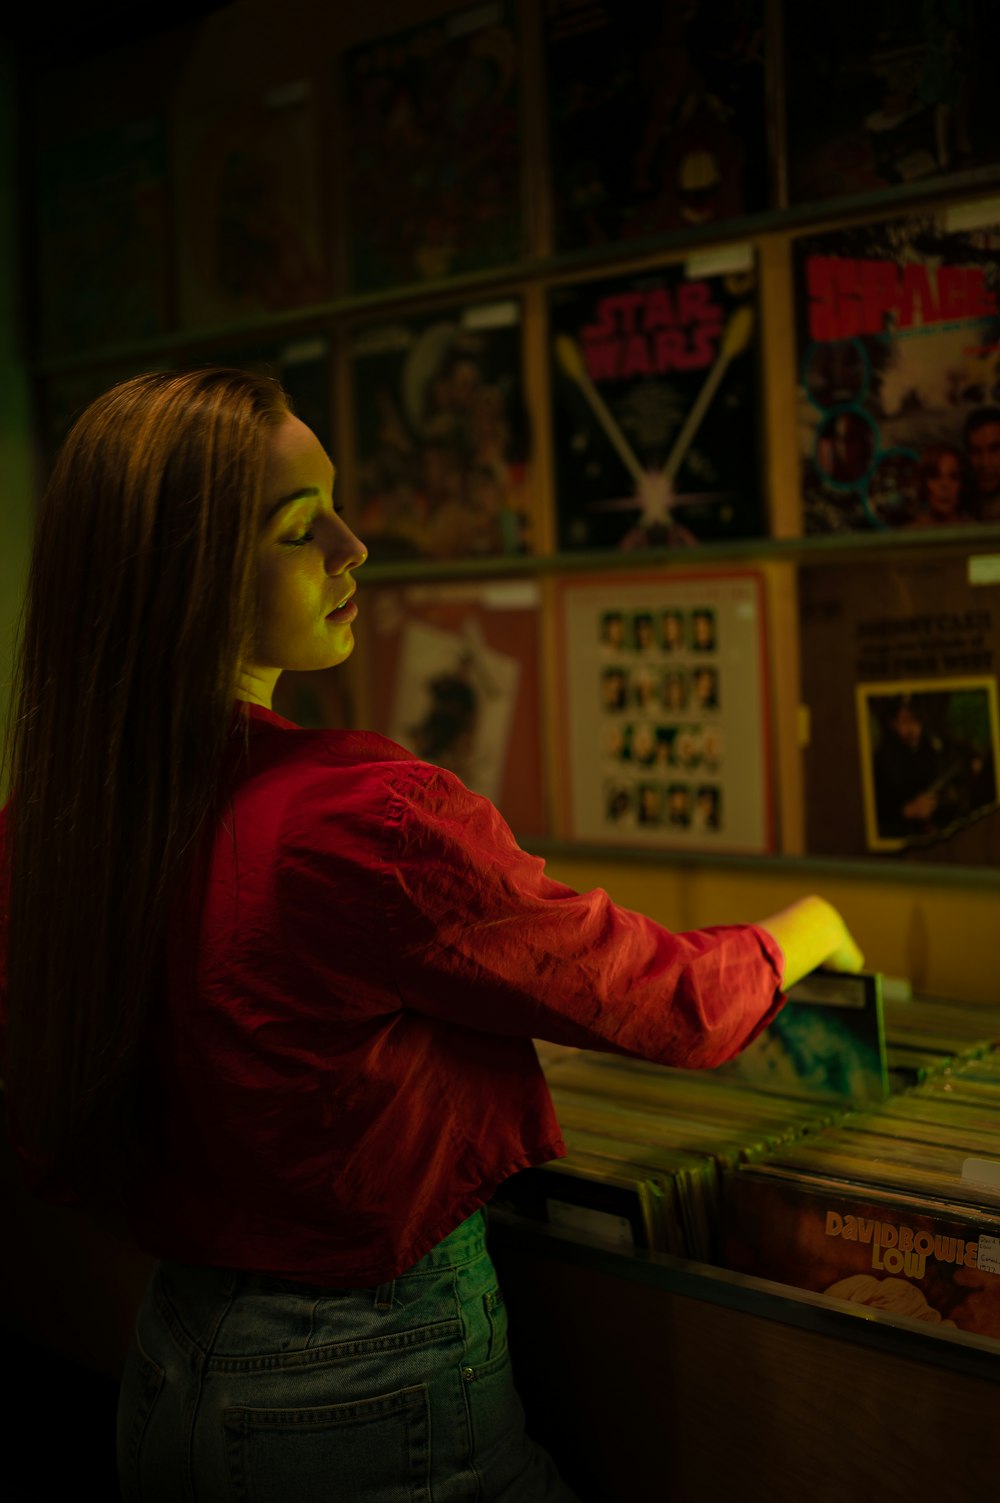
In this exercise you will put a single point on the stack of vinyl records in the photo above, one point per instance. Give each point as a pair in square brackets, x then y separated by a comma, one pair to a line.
[924, 1037]
[897, 1208]
[647, 1147]
[697, 1164]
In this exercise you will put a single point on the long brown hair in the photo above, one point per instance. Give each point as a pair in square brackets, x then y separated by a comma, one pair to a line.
[139, 610]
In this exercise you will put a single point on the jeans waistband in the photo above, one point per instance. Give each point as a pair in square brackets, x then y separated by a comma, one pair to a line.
[465, 1243]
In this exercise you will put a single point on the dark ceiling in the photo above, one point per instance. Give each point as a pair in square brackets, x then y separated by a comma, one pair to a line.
[64, 31]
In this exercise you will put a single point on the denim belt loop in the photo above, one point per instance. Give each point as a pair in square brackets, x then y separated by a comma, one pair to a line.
[384, 1294]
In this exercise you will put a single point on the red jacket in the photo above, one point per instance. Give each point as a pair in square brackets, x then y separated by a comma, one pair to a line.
[346, 1068]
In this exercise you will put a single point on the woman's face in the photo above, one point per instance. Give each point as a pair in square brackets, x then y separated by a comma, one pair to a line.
[306, 554]
[944, 486]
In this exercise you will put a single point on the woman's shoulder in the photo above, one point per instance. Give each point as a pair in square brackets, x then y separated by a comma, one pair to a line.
[334, 766]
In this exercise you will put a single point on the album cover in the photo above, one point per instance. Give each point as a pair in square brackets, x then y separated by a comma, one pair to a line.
[655, 386]
[103, 237]
[899, 371]
[656, 116]
[915, 1257]
[665, 724]
[250, 233]
[458, 684]
[433, 149]
[828, 1040]
[899, 680]
[590, 1200]
[440, 431]
[887, 94]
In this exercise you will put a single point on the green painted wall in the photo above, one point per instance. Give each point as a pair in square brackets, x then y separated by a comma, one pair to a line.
[16, 463]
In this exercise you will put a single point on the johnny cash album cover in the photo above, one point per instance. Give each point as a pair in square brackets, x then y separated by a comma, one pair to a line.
[899, 371]
[656, 116]
[655, 386]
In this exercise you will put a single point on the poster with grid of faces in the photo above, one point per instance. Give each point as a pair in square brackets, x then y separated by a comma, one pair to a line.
[666, 711]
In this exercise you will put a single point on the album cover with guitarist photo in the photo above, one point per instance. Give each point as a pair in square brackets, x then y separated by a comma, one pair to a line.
[900, 722]
[655, 391]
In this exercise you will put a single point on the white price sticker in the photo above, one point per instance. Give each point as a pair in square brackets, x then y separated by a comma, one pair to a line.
[988, 1259]
[601, 1226]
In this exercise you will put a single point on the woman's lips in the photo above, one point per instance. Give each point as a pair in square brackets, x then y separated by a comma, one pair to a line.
[344, 613]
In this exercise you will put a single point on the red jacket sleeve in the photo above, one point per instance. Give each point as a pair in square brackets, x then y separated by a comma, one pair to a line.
[483, 938]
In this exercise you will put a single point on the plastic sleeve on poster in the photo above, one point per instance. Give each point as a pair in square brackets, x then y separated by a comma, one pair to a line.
[719, 261]
[984, 568]
[982, 1172]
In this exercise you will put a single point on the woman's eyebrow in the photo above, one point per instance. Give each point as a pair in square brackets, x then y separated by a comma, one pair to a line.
[299, 495]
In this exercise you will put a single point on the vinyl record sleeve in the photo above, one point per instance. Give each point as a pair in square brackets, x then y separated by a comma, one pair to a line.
[916, 1257]
[662, 681]
[898, 349]
[591, 1200]
[828, 1040]
[656, 116]
[655, 403]
[899, 680]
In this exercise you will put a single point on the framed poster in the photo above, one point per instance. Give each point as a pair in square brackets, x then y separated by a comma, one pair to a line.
[899, 683]
[655, 411]
[899, 371]
[433, 149]
[458, 684]
[891, 94]
[103, 237]
[250, 224]
[929, 749]
[440, 434]
[666, 713]
[656, 116]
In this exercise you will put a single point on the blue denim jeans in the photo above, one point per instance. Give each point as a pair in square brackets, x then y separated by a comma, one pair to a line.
[248, 1388]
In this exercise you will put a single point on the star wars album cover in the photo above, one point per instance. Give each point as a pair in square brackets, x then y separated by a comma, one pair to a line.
[899, 371]
[656, 116]
[655, 396]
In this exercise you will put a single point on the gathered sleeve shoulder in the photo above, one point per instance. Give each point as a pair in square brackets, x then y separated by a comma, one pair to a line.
[479, 935]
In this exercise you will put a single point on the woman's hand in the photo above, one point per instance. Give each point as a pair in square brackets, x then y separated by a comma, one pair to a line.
[811, 933]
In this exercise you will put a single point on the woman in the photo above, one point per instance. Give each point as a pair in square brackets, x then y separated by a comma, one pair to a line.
[271, 992]
[942, 488]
